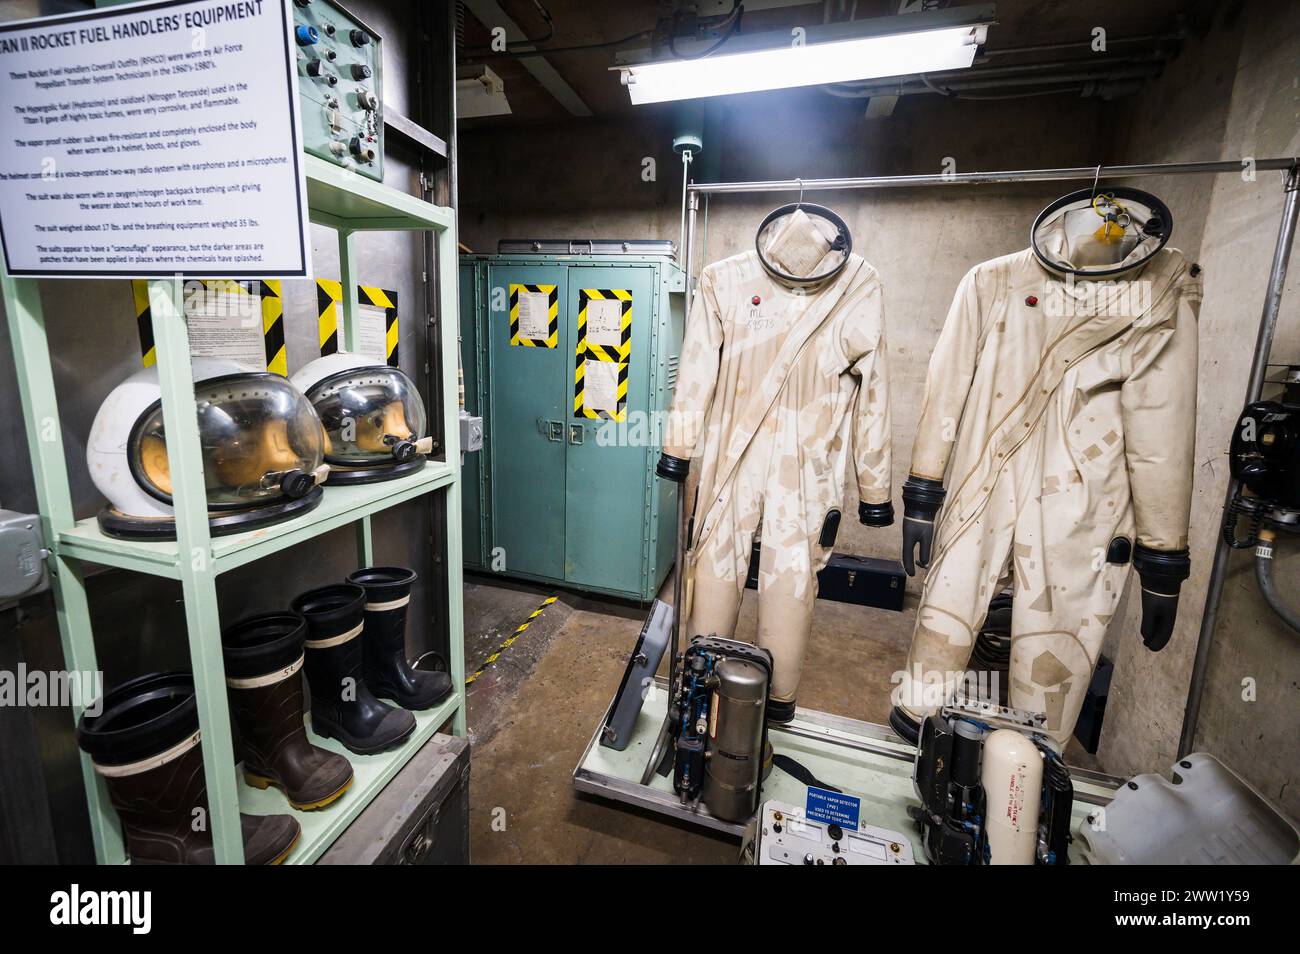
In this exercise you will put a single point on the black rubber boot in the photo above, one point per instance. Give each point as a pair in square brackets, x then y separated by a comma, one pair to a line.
[388, 673]
[904, 726]
[342, 707]
[263, 655]
[145, 744]
[780, 712]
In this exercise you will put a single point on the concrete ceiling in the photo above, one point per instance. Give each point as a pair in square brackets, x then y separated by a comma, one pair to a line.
[581, 83]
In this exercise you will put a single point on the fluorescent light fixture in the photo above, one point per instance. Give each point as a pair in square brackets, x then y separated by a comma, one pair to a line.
[745, 69]
[480, 92]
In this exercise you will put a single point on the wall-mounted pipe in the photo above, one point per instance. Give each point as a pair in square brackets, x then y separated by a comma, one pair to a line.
[1254, 387]
[1089, 173]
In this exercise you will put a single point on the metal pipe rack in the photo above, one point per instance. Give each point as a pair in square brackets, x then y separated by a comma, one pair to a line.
[1263, 344]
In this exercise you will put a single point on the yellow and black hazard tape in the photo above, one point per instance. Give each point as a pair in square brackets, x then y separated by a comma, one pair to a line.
[519, 631]
[329, 294]
[552, 293]
[272, 307]
[590, 351]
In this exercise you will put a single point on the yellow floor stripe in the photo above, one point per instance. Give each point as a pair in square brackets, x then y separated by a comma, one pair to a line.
[519, 631]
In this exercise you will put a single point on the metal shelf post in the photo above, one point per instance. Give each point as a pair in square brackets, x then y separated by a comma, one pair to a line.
[198, 575]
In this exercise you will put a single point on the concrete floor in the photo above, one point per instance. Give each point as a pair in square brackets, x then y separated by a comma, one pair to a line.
[533, 711]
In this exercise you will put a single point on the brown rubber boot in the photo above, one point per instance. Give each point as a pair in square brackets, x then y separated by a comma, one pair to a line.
[264, 656]
[145, 744]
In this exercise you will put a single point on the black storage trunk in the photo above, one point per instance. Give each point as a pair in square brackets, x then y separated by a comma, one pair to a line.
[853, 579]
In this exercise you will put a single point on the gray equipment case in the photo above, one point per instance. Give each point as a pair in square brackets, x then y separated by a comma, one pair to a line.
[640, 673]
[420, 818]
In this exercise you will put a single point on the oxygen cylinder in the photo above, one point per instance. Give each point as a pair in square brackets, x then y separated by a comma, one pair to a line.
[1012, 779]
[735, 747]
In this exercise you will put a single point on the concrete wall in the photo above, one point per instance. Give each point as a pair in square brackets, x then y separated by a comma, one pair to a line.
[1231, 94]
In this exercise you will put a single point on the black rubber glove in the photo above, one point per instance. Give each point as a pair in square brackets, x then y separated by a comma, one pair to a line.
[672, 468]
[922, 499]
[876, 515]
[1162, 573]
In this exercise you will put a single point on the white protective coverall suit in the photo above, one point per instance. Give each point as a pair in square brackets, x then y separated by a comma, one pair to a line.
[1061, 414]
[784, 383]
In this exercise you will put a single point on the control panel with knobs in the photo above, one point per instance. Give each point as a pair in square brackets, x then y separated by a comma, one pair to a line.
[340, 86]
[782, 834]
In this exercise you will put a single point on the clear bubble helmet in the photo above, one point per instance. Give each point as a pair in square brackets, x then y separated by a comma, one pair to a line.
[373, 417]
[262, 444]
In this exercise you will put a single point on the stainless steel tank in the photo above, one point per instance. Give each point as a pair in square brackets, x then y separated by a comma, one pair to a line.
[731, 770]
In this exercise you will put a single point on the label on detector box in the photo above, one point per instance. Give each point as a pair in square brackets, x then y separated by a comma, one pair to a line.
[834, 808]
[153, 139]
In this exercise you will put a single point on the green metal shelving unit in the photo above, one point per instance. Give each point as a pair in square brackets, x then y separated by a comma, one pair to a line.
[349, 204]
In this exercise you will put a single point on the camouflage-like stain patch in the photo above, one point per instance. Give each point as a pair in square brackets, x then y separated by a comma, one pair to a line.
[1055, 706]
[1048, 670]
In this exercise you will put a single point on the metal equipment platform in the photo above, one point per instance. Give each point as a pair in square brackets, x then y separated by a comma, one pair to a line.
[861, 758]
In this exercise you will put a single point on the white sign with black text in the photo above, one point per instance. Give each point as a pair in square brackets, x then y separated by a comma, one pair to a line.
[153, 139]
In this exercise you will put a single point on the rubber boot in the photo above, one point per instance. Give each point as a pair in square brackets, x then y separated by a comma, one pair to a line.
[145, 744]
[264, 657]
[388, 673]
[904, 726]
[342, 707]
[779, 713]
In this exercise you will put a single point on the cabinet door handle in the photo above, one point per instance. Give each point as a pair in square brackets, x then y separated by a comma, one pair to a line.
[576, 432]
[555, 431]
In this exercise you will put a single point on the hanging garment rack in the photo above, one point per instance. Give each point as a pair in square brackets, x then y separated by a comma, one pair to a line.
[1290, 166]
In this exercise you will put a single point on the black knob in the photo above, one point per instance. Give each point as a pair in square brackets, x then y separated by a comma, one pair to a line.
[359, 37]
[360, 71]
[403, 450]
[835, 831]
[297, 484]
[302, 3]
[317, 69]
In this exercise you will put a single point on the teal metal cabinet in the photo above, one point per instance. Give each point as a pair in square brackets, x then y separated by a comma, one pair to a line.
[571, 360]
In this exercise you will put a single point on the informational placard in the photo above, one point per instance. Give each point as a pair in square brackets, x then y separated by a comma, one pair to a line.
[605, 322]
[533, 315]
[601, 385]
[153, 139]
[372, 331]
[833, 808]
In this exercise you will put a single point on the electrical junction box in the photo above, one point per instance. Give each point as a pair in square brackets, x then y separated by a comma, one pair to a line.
[471, 433]
[340, 87]
[570, 350]
[22, 556]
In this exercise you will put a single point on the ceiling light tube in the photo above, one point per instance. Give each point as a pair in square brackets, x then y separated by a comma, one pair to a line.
[739, 67]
